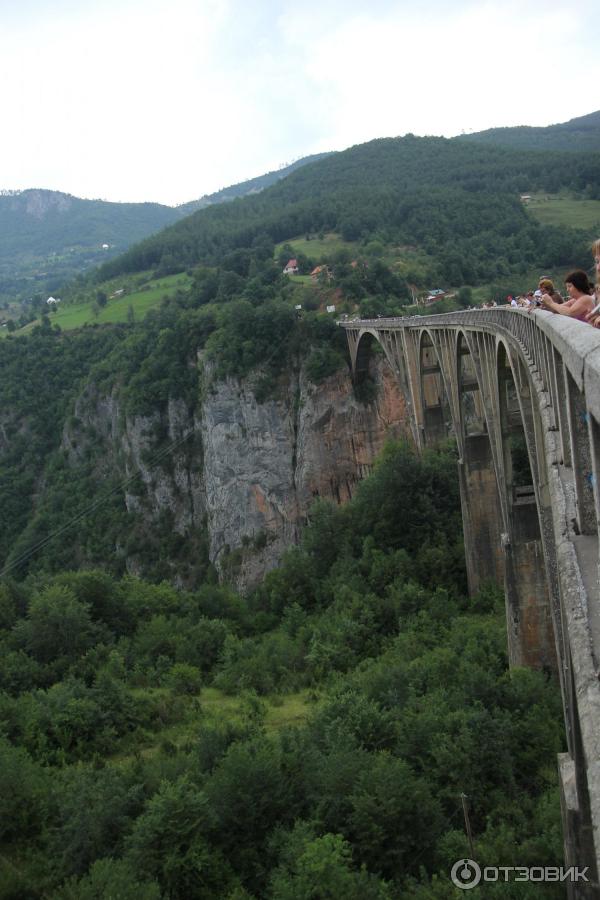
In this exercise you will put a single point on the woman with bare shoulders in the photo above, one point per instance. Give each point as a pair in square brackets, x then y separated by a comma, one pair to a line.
[580, 302]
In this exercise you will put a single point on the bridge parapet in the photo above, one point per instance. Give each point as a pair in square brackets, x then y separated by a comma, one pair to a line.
[520, 392]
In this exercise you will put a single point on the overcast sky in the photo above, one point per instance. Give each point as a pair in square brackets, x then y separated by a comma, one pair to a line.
[134, 100]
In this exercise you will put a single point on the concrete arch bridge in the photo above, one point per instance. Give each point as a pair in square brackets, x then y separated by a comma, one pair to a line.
[521, 394]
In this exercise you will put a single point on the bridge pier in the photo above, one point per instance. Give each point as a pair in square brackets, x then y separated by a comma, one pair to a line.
[531, 640]
[481, 513]
[528, 611]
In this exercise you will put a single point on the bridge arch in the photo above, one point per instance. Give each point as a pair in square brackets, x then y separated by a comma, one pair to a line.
[437, 421]
[479, 478]
[398, 356]
[364, 353]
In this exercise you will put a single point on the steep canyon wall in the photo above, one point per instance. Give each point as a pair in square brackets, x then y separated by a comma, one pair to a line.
[235, 475]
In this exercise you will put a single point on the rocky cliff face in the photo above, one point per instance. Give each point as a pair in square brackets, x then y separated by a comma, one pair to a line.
[39, 203]
[265, 463]
[240, 472]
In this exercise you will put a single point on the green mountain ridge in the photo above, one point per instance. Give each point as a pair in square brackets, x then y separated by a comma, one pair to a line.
[458, 200]
[47, 237]
[252, 186]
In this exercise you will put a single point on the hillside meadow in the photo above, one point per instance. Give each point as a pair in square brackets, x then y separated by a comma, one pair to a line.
[132, 305]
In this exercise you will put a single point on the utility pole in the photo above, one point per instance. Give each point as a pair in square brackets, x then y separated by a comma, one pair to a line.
[465, 806]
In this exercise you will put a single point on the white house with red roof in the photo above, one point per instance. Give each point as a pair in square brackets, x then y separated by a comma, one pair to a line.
[291, 267]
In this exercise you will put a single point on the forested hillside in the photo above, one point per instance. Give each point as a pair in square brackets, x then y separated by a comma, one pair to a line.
[452, 209]
[42, 222]
[311, 740]
[408, 210]
[97, 409]
[456, 200]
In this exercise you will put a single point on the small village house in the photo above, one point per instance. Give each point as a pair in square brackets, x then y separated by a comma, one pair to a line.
[291, 268]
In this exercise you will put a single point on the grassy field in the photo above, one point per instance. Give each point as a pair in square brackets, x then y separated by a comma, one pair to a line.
[554, 209]
[406, 261]
[117, 309]
[316, 247]
[213, 706]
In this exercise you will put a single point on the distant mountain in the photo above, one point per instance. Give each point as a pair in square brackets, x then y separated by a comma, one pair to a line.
[253, 186]
[48, 236]
[40, 221]
[577, 135]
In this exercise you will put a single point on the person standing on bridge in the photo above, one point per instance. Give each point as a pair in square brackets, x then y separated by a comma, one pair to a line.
[546, 286]
[580, 302]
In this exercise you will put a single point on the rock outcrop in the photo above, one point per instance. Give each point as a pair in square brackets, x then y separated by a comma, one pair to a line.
[265, 463]
[243, 472]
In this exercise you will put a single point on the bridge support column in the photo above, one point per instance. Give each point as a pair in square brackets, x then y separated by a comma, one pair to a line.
[528, 608]
[482, 519]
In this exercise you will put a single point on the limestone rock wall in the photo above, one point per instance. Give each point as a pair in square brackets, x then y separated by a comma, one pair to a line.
[242, 472]
[265, 463]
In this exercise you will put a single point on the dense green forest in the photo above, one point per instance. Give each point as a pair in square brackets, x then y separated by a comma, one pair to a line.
[144, 740]
[34, 410]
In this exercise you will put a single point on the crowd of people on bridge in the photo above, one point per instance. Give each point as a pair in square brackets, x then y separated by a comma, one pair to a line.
[582, 301]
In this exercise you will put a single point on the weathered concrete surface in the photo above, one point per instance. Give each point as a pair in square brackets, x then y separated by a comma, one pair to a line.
[591, 379]
[482, 518]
